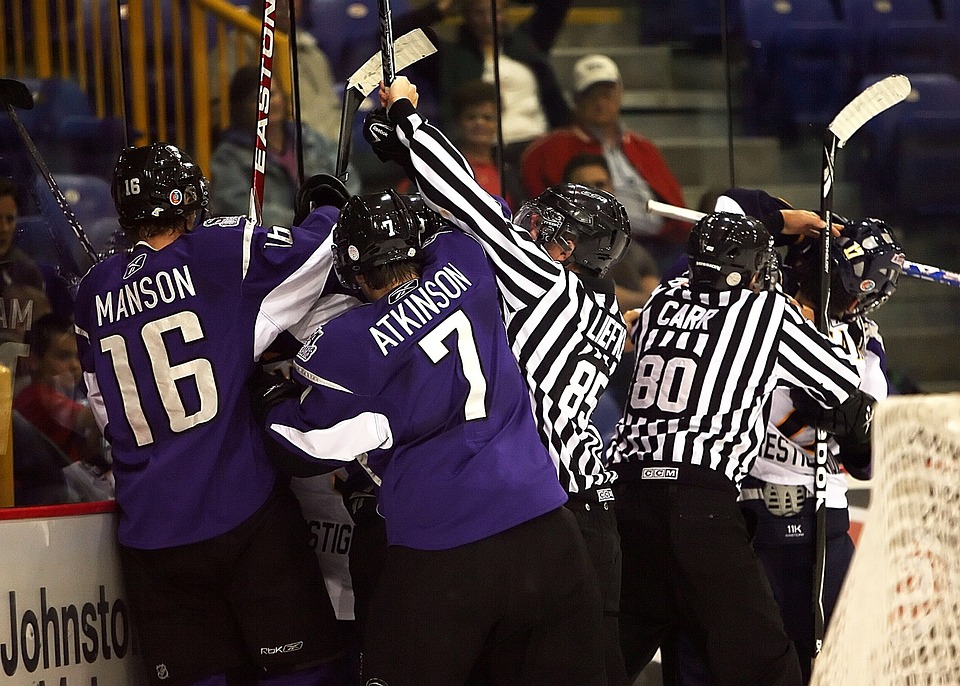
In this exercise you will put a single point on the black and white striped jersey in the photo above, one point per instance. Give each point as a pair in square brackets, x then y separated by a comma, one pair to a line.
[565, 329]
[707, 364]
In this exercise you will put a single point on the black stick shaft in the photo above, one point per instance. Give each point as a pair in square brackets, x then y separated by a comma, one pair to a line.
[386, 42]
[820, 447]
[495, 19]
[295, 87]
[123, 74]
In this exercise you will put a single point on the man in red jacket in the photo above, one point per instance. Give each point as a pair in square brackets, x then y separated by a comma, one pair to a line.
[637, 168]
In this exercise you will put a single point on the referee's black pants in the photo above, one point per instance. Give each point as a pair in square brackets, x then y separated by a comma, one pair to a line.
[598, 524]
[688, 566]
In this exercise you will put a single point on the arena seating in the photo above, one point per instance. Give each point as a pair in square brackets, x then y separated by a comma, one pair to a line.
[900, 36]
[913, 150]
[801, 63]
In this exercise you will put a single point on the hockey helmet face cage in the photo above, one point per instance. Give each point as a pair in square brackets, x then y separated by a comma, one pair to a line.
[373, 230]
[868, 260]
[594, 219]
[430, 221]
[725, 250]
[156, 183]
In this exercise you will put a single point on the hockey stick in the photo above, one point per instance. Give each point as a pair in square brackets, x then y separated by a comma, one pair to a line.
[933, 274]
[875, 99]
[387, 57]
[255, 208]
[495, 26]
[295, 77]
[15, 94]
[407, 49]
[914, 270]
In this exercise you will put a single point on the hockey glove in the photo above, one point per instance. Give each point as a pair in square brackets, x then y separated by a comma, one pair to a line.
[318, 191]
[267, 390]
[851, 420]
[381, 134]
[359, 495]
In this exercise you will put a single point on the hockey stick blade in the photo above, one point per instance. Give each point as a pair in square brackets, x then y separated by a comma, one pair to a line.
[15, 93]
[408, 49]
[874, 99]
[914, 270]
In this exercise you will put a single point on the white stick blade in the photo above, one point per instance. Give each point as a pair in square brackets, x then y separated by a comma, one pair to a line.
[874, 99]
[409, 48]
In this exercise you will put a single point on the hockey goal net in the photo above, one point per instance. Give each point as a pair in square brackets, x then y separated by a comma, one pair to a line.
[897, 620]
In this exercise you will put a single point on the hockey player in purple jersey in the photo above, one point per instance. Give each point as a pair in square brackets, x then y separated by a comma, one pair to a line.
[215, 555]
[486, 576]
[561, 313]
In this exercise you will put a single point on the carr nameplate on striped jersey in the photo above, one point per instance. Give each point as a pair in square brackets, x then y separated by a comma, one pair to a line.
[667, 473]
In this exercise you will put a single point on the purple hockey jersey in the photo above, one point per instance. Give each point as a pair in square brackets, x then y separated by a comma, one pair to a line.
[168, 340]
[424, 382]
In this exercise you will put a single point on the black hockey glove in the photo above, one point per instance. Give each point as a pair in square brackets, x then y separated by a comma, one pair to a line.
[267, 390]
[851, 420]
[381, 134]
[318, 191]
[359, 495]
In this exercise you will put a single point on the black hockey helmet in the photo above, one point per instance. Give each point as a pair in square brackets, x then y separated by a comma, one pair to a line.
[373, 230]
[725, 250]
[593, 218]
[430, 221]
[866, 260]
[155, 183]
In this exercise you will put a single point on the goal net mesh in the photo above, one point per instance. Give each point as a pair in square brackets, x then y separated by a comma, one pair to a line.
[897, 620]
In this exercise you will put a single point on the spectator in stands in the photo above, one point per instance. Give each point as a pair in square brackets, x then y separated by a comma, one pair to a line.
[230, 166]
[319, 96]
[52, 401]
[531, 99]
[15, 265]
[23, 296]
[475, 108]
[637, 167]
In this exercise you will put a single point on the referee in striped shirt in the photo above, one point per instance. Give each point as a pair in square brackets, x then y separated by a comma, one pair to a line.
[563, 322]
[710, 351]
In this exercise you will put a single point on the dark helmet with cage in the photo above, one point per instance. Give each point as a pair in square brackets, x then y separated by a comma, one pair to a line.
[156, 183]
[594, 219]
[725, 250]
[866, 260]
[374, 230]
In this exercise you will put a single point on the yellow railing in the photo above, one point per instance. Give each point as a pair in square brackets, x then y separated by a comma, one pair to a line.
[193, 46]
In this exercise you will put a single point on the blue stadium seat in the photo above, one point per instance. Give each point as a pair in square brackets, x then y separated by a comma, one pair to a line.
[89, 196]
[704, 18]
[90, 201]
[913, 151]
[906, 36]
[801, 63]
[347, 32]
[66, 131]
